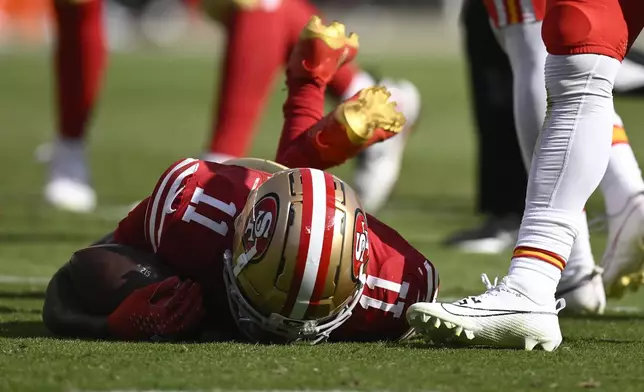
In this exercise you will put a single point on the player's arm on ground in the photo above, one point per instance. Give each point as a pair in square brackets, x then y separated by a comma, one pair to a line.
[131, 229]
[398, 276]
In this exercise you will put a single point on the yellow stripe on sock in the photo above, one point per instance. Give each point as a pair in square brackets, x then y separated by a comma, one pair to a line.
[513, 11]
[619, 135]
[542, 255]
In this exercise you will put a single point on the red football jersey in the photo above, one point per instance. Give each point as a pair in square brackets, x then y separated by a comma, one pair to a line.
[188, 221]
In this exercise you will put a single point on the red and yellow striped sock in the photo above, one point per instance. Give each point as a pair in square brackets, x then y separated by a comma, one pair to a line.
[619, 135]
[540, 254]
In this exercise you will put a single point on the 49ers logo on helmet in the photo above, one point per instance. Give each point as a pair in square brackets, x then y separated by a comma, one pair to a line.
[360, 245]
[260, 227]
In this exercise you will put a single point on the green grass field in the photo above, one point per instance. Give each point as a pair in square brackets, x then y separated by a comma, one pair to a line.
[155, 109]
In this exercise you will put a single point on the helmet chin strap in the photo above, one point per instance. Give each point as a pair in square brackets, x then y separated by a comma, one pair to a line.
[243, 259]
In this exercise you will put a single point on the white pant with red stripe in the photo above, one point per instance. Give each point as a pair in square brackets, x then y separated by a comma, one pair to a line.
[527, 54]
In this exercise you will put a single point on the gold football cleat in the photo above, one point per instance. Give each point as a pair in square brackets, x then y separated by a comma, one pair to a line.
[630, 282]
[370, 111]
[333, 35]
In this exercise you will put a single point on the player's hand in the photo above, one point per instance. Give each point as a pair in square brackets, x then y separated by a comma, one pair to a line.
[163, 309]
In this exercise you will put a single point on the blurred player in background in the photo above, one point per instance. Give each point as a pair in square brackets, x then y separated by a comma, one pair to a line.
[260, 36]
[501, 176]
[586, 41]
[271, 253]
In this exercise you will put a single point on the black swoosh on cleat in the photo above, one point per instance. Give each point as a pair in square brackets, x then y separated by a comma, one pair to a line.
[504, 312]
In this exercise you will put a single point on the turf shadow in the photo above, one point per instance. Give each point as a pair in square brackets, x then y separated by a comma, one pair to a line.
[24, 329]
[10, 310]
[420, 345]
[597, 340]
[622, 317]
[22, 295]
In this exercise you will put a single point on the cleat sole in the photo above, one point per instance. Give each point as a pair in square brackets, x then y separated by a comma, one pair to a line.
[333, 35]
[550, 346]
[630, 278]
[372, 110]
[530, 343]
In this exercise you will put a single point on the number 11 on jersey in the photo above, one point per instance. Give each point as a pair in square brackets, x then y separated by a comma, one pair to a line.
[191, 214]
[397, 308]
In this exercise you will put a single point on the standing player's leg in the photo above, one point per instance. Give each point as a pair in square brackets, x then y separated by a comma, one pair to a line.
[615, 26]
[623, 190]
[255, 50]
[581, 282]
[519, 30]
[79, 61]
[586, 41]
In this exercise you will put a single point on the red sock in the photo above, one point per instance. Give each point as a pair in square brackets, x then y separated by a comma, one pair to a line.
[79, 63]
[255, 51]
[304, 107]
[308, 139]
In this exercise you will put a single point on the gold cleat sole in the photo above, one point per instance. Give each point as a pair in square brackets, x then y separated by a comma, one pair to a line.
[370, 111]
[334, 35]
[628, 282]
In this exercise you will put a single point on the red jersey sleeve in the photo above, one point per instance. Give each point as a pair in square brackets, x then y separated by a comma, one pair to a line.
[130, 230]
[135, 229]
[397, 276]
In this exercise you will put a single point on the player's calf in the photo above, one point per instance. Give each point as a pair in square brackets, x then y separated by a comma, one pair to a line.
[367, 118]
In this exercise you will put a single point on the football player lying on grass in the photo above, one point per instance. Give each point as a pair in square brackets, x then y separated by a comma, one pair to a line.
[253, 250]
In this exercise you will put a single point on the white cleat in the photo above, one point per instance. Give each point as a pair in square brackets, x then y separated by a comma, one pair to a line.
[583, 292]
[500, 317]
[68, 187]
[623, 261]
[69, 195]
[379, 165]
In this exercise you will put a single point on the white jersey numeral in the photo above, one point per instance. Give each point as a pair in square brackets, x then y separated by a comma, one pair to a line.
[191, 214]
[397, 308]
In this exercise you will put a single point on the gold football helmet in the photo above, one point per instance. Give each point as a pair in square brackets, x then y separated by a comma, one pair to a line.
[297, 268]
[257, 164]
